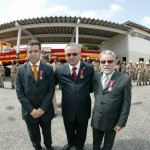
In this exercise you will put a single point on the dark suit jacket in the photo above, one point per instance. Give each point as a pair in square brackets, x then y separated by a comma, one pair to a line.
[32, 94]
[111, 107]
[76, 100]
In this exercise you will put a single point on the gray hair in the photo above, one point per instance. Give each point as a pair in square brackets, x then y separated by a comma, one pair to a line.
[75, 45]
[108, 52]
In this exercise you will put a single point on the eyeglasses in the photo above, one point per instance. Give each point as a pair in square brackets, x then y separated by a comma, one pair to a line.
[71, 54]
[108, 61]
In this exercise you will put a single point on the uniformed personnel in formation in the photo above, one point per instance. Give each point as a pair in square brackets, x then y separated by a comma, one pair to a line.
[129, 69]
[96, 65]
[123, 67]
[13, 70]
[146, 73]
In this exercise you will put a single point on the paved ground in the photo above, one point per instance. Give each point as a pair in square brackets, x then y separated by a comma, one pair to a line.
[13, 133]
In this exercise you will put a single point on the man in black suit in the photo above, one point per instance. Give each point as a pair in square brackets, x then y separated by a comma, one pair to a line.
[112, 92]
[35, 88]
[75, 78]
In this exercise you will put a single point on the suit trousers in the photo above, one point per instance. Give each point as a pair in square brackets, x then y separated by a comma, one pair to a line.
[35, 135]
[109, 137]
[76, 132]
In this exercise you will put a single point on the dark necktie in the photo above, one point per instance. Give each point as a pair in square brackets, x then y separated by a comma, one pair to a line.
[35, 72]
[74, 75]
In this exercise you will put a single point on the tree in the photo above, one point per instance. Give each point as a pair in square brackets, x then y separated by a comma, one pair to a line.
[90, 47]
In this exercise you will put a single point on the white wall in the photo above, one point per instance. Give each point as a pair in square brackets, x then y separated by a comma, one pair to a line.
[139, 47]
[118, 44]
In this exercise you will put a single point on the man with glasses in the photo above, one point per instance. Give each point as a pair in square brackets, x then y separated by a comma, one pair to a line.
[112, 92]
[75, 78]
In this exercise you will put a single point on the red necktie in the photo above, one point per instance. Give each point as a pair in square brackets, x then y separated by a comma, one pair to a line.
[74, 75]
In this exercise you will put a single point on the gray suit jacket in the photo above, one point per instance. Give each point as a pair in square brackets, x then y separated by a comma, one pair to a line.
[35, 94]
[76, 100]
[111, 106]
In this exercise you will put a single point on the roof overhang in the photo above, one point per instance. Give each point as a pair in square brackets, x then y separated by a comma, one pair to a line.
[58, 30]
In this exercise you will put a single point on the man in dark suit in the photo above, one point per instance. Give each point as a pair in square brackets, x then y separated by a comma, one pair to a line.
[76, 100]
[35, 88]
[112, 92]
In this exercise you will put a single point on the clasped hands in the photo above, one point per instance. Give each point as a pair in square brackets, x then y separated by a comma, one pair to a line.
[36, 113]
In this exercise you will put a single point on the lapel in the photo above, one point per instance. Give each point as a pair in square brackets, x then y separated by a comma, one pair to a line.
[66, 70]
[41, 68]
[29, 71]
[113, 78]
[82, 67]
[68, 73]
[98, 79]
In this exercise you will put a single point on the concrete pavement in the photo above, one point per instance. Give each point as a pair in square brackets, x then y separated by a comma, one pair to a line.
[13, 133]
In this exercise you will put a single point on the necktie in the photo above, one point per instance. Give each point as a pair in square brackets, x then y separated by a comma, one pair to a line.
[74, 75]
[106, 79]
[35, 72]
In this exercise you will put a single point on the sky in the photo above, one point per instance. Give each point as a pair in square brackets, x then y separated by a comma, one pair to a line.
[117, 11]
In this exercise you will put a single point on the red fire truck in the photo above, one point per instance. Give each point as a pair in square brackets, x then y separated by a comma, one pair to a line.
[9, 54]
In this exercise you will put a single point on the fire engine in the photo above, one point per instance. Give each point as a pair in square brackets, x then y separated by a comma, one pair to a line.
[8, 53]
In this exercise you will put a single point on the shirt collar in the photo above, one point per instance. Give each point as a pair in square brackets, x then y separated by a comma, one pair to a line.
[109, 75]
[38, 64]
[77, 66]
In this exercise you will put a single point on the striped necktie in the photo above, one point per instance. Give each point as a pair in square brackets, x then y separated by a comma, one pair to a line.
[105, 82]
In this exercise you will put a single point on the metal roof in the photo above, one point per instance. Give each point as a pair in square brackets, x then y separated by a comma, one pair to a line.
[61, 30]
[135, 25]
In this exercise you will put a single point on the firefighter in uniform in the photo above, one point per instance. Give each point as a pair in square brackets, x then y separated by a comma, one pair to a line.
[129, 69]
[1, 75]
[123, 67]
[139, 73]
[135, 70]
[146, 73]
[13, 70]
[96, 65]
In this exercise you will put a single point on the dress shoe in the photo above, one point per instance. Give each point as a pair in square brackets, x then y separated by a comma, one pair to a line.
[67, 147]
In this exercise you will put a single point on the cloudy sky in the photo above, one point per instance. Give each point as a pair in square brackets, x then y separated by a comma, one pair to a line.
[118, 11]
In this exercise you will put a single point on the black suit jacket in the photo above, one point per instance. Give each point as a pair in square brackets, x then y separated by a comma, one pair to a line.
[35, 94]
[76, 100]
[111, 106]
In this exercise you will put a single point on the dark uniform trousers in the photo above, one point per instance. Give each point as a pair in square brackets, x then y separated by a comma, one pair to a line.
[109, 137]
[76, 132]
[35, 136]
